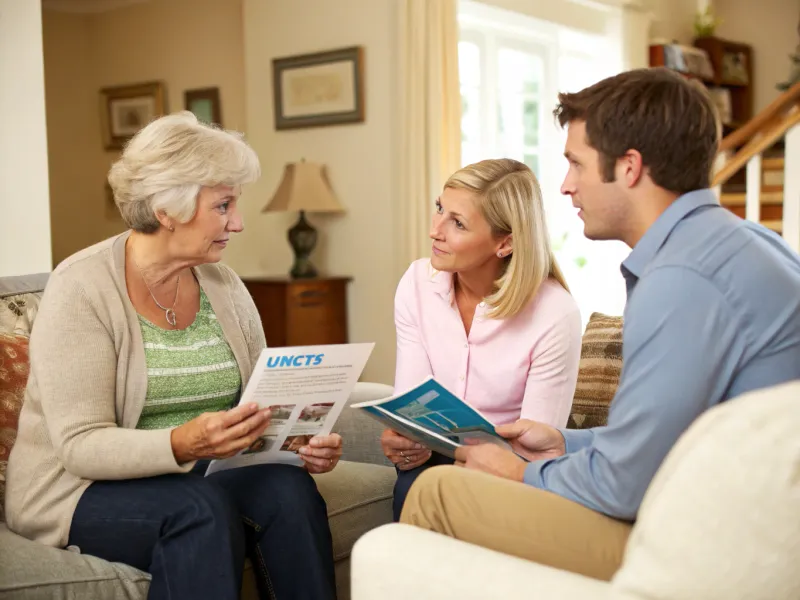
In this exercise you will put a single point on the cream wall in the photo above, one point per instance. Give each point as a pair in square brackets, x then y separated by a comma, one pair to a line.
[184, 43]
[24, 208]
[359, 157]
[770, 26]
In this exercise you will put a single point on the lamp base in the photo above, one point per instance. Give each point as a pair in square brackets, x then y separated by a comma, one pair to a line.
[303, 239]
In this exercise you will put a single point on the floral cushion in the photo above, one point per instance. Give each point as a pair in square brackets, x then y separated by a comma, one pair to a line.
[18, 312]
[14, 370]
[598, 374]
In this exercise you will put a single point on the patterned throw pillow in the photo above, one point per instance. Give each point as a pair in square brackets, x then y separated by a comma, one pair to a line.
[18, 312]
[598, 375]
[14, 370]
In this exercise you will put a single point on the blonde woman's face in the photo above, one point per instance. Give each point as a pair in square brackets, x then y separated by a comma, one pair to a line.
[462, 238]
[203, 239]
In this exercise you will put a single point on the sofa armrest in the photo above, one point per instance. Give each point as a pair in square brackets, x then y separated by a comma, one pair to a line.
[436, 566]
[360, 433]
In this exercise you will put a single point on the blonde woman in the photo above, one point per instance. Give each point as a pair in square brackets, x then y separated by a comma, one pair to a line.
[489, 314]
[141, 348]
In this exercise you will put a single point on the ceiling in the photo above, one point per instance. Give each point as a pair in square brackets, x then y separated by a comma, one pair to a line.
[87, 6]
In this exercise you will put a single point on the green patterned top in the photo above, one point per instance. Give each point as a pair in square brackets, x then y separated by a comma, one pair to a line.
[189, 371]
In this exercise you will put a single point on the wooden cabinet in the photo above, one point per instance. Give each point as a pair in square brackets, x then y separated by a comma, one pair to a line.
[300, 312]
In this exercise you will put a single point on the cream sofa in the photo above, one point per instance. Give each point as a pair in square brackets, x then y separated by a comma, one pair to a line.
[720, 521]
[358, 492]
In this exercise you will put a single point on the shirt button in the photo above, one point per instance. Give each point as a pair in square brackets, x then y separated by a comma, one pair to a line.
[466, 345]
[461, 378]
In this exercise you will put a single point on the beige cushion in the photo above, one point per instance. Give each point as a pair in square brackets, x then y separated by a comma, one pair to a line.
[598, 374]
[721, 519]
[359, 498]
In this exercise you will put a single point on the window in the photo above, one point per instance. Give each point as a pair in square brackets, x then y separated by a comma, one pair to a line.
[511, 69]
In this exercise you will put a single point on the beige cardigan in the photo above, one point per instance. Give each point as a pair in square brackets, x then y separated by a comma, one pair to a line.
[88, 383]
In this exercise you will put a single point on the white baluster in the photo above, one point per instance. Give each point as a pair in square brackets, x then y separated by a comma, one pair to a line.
[791, 189]
[752, 205]
[719, 163]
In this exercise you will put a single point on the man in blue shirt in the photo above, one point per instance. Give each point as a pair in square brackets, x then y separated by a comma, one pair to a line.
[713, 311]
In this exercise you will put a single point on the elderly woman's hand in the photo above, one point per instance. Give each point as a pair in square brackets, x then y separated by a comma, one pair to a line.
[322, 453]
[404, 453]
[219, 434]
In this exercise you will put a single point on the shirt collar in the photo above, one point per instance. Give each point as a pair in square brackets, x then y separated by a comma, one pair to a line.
[657, 234]
[441, 282]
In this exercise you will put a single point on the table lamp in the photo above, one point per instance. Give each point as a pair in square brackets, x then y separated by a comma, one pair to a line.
[304, 187]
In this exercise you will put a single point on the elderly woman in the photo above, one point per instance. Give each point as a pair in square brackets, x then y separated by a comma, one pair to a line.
[141, 348]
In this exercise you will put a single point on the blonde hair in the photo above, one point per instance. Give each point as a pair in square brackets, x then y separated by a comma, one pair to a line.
[509, 198]
[165, 165]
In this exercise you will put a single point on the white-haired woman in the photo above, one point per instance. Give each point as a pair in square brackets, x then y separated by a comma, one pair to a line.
[489, 314]
[141, 348]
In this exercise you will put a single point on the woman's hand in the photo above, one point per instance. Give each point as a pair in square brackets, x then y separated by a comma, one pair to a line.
[404, 453]
[322, 453]
[219, 434]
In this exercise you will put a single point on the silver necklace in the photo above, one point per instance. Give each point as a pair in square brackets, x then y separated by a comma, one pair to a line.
[169, 313]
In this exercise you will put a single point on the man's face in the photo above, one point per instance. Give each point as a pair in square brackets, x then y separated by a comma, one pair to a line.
[602, 205]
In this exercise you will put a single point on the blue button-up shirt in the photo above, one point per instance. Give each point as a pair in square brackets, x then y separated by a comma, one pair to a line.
[713, 311]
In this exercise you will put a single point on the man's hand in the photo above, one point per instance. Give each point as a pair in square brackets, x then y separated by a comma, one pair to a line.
[533, 440]
[491, 459]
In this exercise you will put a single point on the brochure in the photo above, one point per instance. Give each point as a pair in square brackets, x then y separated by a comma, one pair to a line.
[306, 387]
[434, 417]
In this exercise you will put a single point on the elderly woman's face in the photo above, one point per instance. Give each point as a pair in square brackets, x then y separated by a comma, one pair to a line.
[206, 235]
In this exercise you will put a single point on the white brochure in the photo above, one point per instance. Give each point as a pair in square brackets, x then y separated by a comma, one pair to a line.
[306, 387]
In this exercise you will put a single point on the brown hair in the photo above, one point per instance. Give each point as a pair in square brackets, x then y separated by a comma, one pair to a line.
[668, 119]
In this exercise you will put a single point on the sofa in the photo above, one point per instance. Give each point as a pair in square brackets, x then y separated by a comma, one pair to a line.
[358, 492]
[720, 521]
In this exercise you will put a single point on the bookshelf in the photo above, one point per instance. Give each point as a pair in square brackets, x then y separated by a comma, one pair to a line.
[726, 70]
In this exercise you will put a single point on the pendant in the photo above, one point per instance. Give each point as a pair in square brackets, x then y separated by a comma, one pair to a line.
[171, 318]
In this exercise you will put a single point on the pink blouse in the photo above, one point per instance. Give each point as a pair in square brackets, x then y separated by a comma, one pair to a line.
[525, 366]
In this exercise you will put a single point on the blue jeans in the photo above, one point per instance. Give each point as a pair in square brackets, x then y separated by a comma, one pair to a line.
[191, 533]
[406, 478]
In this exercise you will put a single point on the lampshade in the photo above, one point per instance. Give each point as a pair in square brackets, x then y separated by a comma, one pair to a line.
[304, 186]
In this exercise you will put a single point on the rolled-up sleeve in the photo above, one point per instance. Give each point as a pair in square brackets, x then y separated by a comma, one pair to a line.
[680, 343]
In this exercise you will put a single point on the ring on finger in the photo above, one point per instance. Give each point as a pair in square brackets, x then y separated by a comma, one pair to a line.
[402, 453]
[407, 459]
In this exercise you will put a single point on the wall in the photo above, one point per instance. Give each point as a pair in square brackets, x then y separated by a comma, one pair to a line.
[772, 30]
[672, 19]
[24, 207]
[184, 43]
[359, 158]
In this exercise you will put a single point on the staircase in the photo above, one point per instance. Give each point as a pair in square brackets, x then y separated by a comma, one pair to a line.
[769, 191]
[734, 196]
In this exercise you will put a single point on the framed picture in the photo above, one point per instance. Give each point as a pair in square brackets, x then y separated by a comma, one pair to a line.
[205, 104]
[312, 90]
[125, 109]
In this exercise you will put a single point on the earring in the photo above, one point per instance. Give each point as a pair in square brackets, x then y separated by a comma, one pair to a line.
[499, 255]
[171, 227]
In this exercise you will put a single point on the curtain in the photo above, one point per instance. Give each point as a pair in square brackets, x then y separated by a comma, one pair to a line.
[429, 118]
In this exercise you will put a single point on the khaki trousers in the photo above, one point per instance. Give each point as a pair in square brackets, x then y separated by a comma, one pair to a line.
[517, 519]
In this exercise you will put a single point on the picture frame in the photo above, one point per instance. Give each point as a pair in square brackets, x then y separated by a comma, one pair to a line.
[319, 89]
[205, 104]
[125, 109]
